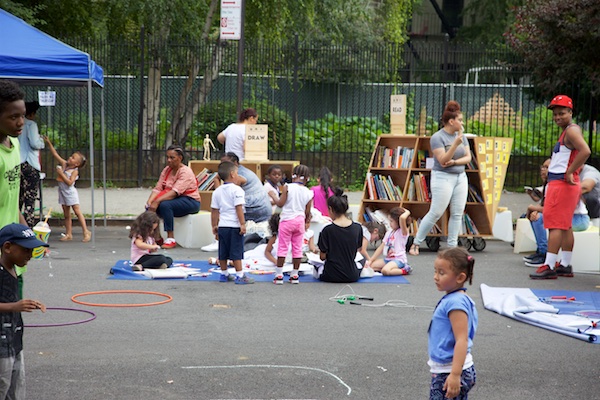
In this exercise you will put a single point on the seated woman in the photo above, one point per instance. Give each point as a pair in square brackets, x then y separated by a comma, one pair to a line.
[175, 194]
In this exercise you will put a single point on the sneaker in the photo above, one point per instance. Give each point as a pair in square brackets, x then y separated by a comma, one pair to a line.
[294, 279]
[544, 272]
[214, 246]
[169, 243]
[243, 280]
[537, 261]
[563, 271]
[278, 280]
[226, 278]
[531, 256]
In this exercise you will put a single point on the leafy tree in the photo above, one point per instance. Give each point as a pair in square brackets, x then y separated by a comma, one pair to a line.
[557, 42]
[28, 13]
[488, 20]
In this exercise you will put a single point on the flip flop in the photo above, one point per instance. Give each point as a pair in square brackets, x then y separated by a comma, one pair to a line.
[414, 250]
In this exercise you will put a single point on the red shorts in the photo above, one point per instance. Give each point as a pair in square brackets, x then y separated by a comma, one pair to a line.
[560, 203]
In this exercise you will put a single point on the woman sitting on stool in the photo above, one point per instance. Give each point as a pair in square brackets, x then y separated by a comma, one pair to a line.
[175, 194]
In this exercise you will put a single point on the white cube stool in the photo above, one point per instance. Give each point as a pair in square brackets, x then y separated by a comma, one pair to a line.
[524, 237]
[503, 228]
[192, 231]
[586, 251]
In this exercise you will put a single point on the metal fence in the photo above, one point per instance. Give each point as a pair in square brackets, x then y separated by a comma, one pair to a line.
[325, 105]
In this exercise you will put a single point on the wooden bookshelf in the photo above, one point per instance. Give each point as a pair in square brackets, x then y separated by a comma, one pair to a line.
[486, 175]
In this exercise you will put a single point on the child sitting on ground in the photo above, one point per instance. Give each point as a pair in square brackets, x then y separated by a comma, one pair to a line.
[338, 243]
[68, 197]
[143, 243]
[228, 223]
[393, 246]
[273, 183]
[372, 232]
[17, 243]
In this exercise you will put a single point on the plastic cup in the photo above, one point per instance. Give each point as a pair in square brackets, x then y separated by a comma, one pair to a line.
[42, 232]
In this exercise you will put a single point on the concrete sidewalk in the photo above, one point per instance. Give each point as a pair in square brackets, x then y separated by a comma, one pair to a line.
[121, 203]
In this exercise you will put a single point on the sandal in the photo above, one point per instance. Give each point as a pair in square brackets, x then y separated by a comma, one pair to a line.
[87, 236]
[414, 250]
[66, 238]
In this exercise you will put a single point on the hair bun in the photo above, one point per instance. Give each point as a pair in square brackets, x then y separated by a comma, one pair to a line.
[452, 106]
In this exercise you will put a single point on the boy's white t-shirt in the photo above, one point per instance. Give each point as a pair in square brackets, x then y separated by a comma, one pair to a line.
[297, 199]
[366, 233]
[225, 198]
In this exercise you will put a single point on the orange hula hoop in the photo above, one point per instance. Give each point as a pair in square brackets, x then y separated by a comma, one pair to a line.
[74, 297]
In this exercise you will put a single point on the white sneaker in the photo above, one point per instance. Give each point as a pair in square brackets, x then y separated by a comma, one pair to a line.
[214, 246]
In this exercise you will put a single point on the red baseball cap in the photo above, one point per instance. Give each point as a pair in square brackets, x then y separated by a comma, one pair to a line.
[561, 101]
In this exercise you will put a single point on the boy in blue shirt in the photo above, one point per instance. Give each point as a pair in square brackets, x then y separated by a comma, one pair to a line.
[18, 242]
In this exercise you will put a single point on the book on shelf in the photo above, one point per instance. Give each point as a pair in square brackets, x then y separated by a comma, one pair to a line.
[422, 156]
[474, 196]
[435, 229]
[209, 183]
[472, 164]
[468, 226]
[392, 157]
[411, 196]
[376, 216]
[381, 187]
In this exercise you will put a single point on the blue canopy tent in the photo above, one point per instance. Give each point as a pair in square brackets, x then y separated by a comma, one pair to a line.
[50, 62]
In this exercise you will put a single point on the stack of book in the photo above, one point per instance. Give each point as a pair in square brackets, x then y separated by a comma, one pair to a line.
[399, 157]
[379, 216]
[474, 196]
[468, 226]
[380, 187]
[414, 227]
[418, 188]
[206, 179]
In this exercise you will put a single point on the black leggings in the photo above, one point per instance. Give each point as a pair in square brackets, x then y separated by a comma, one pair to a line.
[154, 261]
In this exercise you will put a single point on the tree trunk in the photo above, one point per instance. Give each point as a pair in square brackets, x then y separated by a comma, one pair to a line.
[152, 106]
[181, 121]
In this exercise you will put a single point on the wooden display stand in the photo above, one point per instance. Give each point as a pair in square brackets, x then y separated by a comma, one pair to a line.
[399, 176]
[258, 167]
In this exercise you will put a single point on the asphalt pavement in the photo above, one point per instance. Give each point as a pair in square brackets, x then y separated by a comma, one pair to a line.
[262, 341]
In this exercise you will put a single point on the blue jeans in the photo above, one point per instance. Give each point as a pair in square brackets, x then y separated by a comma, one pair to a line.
[446, 189]
[177, 207]
[540, 234]
[581, 222]
[468, 378]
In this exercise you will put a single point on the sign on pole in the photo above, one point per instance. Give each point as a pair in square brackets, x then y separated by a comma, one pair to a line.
[231, 19]
[47, 98]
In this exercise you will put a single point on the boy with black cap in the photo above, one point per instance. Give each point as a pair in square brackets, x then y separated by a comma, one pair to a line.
[563, 191]
[18, 242]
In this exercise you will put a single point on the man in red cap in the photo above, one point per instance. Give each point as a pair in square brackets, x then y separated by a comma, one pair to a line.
[563, 191]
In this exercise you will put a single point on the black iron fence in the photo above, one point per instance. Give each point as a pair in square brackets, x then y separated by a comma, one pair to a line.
[325, 105]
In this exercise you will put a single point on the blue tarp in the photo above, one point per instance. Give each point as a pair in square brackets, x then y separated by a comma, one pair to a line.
[28, 55]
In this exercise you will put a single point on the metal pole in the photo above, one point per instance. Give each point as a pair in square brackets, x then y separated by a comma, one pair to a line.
[140, 153]
[103, 128]
[92, 166]
[295, 97]
[240, 70]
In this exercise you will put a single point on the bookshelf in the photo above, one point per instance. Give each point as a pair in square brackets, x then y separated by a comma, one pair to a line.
[399, 175]
[258, 167]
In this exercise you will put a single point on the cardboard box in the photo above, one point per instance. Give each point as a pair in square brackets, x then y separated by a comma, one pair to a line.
[257, 142]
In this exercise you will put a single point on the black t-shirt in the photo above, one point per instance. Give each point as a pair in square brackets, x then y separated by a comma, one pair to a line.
[11, 324]
[341, 245]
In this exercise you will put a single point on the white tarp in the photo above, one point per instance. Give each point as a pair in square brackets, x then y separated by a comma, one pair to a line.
[523, 305]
